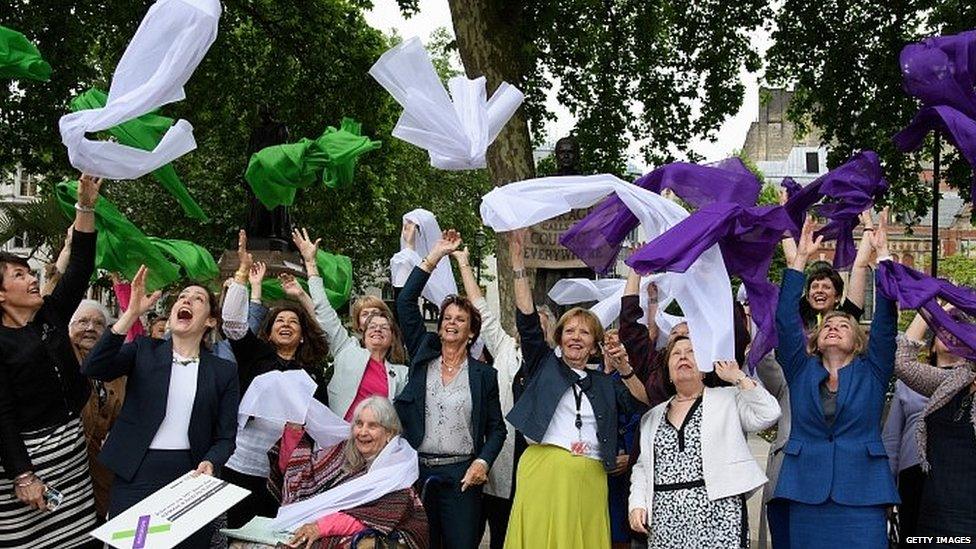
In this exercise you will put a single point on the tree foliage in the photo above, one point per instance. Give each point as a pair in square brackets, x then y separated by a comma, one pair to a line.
[305, 60]
[661, 72]
[841, 58]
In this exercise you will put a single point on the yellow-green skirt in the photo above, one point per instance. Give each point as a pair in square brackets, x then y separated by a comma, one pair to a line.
[560, 502]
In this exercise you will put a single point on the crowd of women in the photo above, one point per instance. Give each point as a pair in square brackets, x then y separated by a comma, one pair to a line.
[562, 434]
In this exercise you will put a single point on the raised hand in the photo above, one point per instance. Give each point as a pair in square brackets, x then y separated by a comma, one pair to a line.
[140, 303]
[256, 275]
[450, 241]
[516, 247]
[291, 286]
[305, 246]
[88, 187]
[243, 256]
[461, 256]
[728, 371]
[879, 238]
[808, 245]
[652, 295]
[409, 234]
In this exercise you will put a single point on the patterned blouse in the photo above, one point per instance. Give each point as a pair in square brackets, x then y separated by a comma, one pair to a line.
[447, 413]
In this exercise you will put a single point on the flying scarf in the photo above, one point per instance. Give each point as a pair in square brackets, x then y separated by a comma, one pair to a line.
[455, 130]
[703, 291]
[275, 173]
[167, 47]
[19, 58]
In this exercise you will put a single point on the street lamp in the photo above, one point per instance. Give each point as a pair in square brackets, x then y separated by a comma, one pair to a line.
[479, 243]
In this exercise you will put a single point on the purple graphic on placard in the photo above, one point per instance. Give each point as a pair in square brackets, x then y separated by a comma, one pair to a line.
[142, 529]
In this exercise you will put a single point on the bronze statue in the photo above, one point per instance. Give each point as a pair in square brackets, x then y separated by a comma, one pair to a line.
[567, 156]
[266, 229]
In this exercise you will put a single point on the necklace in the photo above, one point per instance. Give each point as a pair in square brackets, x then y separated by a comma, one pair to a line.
[687, 399]
[450, 368]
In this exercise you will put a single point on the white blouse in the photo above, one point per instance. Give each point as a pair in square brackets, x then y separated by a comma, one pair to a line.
[173, 432]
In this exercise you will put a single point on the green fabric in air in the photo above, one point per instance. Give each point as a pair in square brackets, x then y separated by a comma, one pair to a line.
[19, 58]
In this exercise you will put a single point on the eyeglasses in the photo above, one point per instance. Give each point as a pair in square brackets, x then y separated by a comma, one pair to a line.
[378, 328]
[88, 322]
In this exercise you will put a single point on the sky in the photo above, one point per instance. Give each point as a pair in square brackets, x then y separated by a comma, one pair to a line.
[385, 16]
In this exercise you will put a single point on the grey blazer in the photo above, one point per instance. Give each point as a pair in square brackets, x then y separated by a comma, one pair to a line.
[771, 375]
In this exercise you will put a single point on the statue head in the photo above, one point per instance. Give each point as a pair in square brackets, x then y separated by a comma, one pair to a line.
[567, 156]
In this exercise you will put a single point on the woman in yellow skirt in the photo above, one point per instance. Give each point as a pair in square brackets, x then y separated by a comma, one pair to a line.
[568, 413]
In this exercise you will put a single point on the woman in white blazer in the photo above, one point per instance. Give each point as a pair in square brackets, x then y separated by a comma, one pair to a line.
[695, 471]
[359, 370]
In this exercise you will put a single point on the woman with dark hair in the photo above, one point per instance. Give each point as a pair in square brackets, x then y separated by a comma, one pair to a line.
[374, 366]
[695, 472]
[569, 415]
[835, 470]
[180, 408]
[289, 339]
[450, 408]
[42, 392]
[942, 504]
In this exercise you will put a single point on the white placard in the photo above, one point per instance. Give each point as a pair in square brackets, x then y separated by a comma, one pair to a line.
[171, 514]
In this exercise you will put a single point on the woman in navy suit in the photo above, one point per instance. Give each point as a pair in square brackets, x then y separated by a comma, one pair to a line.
[180, 409]
[449, 409]
[835, 474]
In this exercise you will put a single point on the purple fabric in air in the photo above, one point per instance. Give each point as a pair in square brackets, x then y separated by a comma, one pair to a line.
[848, 189]
[596, 239]
[747, 238]
[916, 290]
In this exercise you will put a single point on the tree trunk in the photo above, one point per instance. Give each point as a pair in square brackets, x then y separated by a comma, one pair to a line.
[489, 40]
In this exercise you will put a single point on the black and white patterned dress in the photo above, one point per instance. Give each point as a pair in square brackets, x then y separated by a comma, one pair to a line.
[682, 516]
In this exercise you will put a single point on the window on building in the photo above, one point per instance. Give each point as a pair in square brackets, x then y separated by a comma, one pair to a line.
[28, 186]
[813, 162]
[967, 247]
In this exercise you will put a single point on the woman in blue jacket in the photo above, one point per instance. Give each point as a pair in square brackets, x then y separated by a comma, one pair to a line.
[835, 473]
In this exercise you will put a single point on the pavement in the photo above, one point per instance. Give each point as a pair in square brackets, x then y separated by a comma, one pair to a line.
[760, 449]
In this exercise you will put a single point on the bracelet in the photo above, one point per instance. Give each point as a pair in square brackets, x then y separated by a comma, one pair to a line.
[518, 273]
[866, 229]
[84, 209]
[628, 376]
[739, 381]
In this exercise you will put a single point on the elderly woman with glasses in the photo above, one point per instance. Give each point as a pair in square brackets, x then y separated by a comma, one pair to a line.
[450, 408]
[300, 471]
[835, 469]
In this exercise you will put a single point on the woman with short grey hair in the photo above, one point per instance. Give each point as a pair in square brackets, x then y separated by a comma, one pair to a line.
[301, 471]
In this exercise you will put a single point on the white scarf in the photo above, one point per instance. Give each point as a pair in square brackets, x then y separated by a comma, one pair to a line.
[456, 134]
[441, 283]
[169, 44]
[704, 290]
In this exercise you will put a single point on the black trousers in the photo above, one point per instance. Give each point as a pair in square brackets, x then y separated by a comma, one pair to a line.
[910, 482]
[494, 513]
[259, 502]
[454, 516]
[158, 468]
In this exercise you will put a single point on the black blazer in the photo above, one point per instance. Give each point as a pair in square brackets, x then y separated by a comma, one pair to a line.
[488, 427]
[549, 378]
[148, 364]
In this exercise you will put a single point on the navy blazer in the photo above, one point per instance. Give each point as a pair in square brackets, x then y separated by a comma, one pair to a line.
[487, 426]
[846, 461]
[548, 380]
[148, 365]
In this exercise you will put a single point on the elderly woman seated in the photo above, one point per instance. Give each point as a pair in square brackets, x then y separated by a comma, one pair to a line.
[301, 471]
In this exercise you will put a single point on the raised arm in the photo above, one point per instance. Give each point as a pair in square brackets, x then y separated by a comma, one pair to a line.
[70, 290]
[234, 310]
[494, 336]
[857, 282]
[757, 408]
[884, 325]
[408, 311]
[533, 341]
[110, 359]
[635, 337]
[921, 378]
[335, 332]
[791, 351]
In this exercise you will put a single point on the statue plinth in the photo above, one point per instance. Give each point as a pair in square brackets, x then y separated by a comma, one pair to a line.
[277, 261]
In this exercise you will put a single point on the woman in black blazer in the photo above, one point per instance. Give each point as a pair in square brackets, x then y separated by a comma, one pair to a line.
[180, 409]
[449, 408]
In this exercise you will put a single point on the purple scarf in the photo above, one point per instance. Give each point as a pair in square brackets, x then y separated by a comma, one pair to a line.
[941, 72]
[596, 239]
[747, 238]
[850, 189]
[915, 290]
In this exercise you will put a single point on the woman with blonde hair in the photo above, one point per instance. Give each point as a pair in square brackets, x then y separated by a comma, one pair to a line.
[835, 469]
[569, 414]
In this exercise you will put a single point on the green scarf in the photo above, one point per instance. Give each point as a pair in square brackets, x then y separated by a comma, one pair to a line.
[144, 133]
[21, 59]
[274, 173]
[336, 272]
